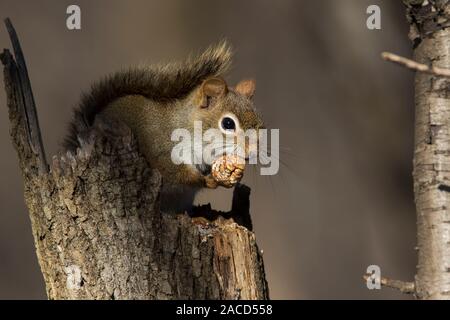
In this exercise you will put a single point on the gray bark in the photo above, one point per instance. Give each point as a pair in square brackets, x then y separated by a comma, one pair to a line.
[97, 227]
[430, 34]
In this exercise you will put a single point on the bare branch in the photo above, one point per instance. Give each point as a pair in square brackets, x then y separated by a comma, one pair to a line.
[403, 286]
[413, 65]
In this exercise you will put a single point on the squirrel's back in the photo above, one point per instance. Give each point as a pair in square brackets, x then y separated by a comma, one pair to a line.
[160, 83]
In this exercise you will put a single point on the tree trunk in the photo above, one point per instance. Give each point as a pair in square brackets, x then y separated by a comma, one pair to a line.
[96, 222]
[430, 34]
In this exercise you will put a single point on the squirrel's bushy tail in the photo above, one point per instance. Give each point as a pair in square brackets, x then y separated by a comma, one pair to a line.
[160, 82]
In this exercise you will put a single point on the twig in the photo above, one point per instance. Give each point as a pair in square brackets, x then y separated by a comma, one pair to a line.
[403, 286]
[413, 65]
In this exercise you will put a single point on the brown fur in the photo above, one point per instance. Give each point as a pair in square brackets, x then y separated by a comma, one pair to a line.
[159, 83]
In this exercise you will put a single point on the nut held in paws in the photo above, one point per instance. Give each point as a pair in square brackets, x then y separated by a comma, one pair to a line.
[227, 170]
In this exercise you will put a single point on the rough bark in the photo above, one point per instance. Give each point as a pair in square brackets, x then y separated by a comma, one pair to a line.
[96, 222]
[430, 34]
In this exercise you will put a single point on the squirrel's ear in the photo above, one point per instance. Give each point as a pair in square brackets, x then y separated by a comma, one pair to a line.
[213, 87]
[246, 88]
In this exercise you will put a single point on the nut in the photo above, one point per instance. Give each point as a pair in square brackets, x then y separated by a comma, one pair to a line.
[228, 170]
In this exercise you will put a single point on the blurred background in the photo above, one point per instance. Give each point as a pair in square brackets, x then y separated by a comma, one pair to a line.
[343, 198]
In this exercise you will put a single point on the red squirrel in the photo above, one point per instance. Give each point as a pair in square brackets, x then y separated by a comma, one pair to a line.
[155, 100]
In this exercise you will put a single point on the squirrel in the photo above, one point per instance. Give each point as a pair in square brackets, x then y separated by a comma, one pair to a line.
[153, 101]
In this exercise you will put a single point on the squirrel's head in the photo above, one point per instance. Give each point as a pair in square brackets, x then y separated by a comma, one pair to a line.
[228, 109]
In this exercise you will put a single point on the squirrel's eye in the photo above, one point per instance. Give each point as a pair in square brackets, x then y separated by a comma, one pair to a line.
[228, 124]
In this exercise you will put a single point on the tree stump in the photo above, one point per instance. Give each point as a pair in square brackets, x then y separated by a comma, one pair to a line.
[97, 227]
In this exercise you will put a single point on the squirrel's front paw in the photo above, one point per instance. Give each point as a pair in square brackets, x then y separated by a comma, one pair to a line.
[210, 182]
[228, 171]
